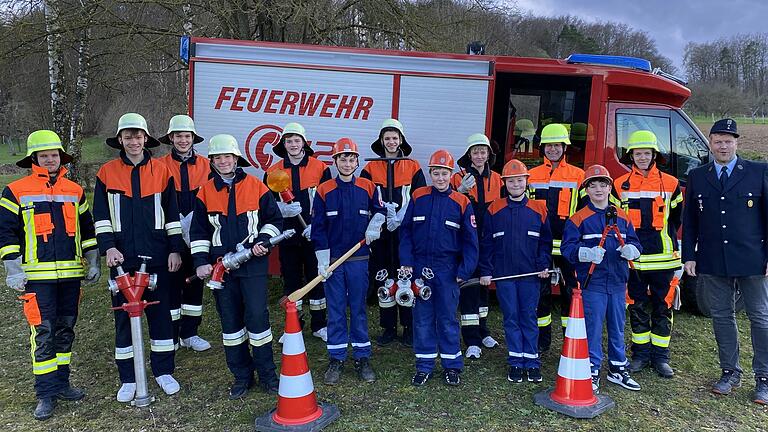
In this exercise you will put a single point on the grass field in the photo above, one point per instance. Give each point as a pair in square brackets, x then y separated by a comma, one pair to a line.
[485, 400]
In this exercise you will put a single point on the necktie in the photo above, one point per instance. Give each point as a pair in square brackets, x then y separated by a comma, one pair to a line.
[723, 177]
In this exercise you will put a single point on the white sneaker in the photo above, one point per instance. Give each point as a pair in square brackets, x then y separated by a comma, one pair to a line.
[474, 352]
[322, 334]
[196, 343]
[596, 382]
[281, 339]
[490, 342]
[127, 392]
[168, 384]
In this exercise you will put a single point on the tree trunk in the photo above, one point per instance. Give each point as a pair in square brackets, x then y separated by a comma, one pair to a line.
[77, 173]
[55, 66]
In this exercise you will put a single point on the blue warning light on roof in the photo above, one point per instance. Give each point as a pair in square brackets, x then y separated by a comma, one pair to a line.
[609, 60]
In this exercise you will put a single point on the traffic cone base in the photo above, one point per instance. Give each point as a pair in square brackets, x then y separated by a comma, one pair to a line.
[297, 407]
[573, 394]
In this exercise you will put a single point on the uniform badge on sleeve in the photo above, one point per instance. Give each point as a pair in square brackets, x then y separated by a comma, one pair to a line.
[474, 224]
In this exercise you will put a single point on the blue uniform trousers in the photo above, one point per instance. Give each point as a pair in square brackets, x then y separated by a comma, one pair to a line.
[519, 299]
[602, 307]
[242, 308]
[348, 287]
[435, 324]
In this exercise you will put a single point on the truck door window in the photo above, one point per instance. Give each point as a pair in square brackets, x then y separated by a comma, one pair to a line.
[656, 121]
[688, 147]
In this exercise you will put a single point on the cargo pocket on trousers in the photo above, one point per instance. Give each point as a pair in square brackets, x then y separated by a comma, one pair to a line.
[31, 311]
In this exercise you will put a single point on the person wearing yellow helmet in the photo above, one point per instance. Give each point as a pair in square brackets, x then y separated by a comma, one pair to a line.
[234, 209]
[654, 202]
[190, 171]
[46, 232]
[137, 214]
[557, 183]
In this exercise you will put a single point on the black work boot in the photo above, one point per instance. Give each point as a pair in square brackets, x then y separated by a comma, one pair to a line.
[240, 388]
[663, 369]
[364, 370]
[333, 373]
[44, 408]
[407, 339]
[638, 364]
[70, 394]
[729, 380]
[387, 337]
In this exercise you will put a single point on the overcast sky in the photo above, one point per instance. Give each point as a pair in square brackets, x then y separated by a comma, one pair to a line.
[671, 23]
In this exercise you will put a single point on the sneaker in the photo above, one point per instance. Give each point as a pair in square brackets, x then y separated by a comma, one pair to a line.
[421, 378]
[515, 374]
[333, 373]
[534, 375]
[322, 334]
[70, 394]
[729, 380]
[364, 370]
[761, 391]
[490, 342]
[127, 392]
[387, 337]
[44, 408]
[407, 339]
[239, 388]
[596, 382]
[196, 343]
[282, 338]
[451, 377]
[636, 365]
[663, 369]
[169, 385]
[474, 351]
[621, 377]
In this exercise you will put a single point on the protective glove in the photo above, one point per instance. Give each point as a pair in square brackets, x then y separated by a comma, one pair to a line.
[392, 221]
[186, 222]
[467, 183]
[94, 265]
[395, 223]
[629, 252]
[307, 233]
[593, 254]
[323, 262]
[373, 232]
[289, 210]
[15, 276]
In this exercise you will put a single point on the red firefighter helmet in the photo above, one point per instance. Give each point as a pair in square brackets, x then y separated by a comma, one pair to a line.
[345, 145]
[596, 172]
[514, 168]
[441, 159]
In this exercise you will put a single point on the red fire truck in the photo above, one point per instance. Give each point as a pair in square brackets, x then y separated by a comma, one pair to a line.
[251, 89]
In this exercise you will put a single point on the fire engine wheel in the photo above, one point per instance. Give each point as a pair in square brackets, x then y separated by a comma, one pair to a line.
[696, 300]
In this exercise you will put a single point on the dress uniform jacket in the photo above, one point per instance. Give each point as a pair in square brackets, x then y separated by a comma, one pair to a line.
[724, 231]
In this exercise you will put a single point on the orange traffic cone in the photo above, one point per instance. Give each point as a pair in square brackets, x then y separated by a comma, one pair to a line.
[573, 394]
[297, 406]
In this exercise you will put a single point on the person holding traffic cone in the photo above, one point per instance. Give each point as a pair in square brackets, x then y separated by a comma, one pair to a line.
[517, 227]
[601, 258]
[346, 209]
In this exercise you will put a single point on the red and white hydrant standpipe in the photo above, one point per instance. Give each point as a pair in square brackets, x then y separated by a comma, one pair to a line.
[133, 288]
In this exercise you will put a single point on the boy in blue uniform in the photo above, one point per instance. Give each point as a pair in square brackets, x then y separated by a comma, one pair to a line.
[439, 233]
[517, 239]
[605, 297]
[341, 217]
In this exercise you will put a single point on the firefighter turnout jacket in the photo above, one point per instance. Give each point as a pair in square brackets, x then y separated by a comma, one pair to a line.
[408, 177]
[226, 215]
[304, 180]
[559, 188]
[48, 223]
[481, 197]
[653, 204]
[136, 211]
[188, 176]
